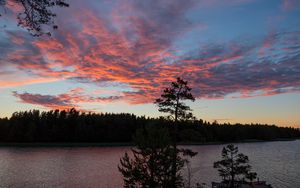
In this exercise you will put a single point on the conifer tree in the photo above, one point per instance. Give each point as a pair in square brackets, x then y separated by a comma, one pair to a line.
[172, 102]
[234, 166]
[151, 164]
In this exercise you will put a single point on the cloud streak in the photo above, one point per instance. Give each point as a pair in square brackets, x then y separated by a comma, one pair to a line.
[133, 44]
[72, 99]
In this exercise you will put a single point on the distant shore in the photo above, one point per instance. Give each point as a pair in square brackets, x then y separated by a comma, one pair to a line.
[241, 141]
[120, 144]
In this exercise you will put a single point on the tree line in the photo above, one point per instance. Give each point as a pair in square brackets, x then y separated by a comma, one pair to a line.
[75, 126]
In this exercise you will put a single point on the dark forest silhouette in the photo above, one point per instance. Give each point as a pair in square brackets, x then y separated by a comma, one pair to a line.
[74, 126]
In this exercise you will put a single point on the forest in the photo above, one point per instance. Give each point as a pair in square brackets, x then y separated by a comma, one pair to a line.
[75, 126]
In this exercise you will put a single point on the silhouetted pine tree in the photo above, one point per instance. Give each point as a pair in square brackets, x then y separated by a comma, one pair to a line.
[171, 102]
[152, 161]
[234, 166]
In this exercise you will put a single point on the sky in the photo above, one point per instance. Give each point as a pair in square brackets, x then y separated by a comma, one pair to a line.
[240, 57]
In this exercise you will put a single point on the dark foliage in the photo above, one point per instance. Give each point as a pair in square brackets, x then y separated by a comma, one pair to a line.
[152, 161]
[73, 126]
[251, 176]
[234, 166]
[171, 101]
[36, 14]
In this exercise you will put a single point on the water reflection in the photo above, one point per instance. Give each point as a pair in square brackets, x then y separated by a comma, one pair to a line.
[276, 162]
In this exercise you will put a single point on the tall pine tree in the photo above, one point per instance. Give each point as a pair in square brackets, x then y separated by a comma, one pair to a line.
[172, 102]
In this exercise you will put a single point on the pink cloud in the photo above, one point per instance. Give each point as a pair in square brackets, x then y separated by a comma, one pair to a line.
[72, 99]
[134, 49]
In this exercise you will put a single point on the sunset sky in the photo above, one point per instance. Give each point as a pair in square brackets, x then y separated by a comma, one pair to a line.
[241, 57]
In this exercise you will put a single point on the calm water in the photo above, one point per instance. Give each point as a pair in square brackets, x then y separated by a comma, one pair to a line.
[276, 162]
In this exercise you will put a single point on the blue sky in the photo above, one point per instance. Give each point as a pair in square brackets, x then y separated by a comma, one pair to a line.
[241, 57]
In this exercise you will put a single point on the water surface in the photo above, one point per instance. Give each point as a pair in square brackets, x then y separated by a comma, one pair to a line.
[276, 162]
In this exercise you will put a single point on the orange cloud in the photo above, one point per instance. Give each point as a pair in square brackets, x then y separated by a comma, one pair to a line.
[136, 50]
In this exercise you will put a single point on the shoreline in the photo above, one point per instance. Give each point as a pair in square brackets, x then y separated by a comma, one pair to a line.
[238, 142]
[124, 144]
